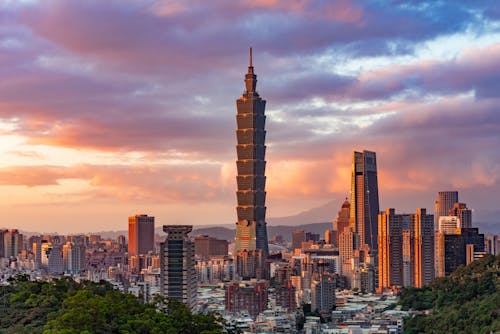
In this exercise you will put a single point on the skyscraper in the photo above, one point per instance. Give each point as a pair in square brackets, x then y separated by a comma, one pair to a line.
[443, 204]
[342, 220]
[423, 233]
[141, 234]
[177, 265]
[364, 198]
[251, 231]
[463, 213]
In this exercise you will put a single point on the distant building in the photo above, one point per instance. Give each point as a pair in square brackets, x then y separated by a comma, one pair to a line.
[251, 230]
[250, 296]
[364, 198]
[73, 258]
[443, 204]
[285, 296]
[177, 265]
[141, 233]
[452, 249]
[390, 249]
[423, 233]
[491, 244]
[13, 243]
[448, 224]
[206, 246]
[463, 213]
[342, 220]
[55, 260]
[323, 294]
[250, 264]
[298, 236]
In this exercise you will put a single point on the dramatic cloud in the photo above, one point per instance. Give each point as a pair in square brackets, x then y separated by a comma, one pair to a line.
[131, 102]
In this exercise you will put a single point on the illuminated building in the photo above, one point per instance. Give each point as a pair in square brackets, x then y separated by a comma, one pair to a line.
[443, 204]
[177, 265]
[141, 233]
[251, 230]
[364, 198]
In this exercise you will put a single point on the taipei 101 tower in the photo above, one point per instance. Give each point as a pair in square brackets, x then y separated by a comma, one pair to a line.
[251, 231]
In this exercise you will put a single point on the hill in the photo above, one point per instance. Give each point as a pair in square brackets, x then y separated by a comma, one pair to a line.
[467, 301]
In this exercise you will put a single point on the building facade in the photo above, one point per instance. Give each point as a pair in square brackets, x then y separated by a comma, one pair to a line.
[251, 230]
[443, 204]
[177, 265]
[364, 207]
[141, 234]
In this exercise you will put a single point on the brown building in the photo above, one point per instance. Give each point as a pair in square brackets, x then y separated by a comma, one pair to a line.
[443, 204]
[298, 236]
[141, 233]
[341, 221]
[423, 234]
[206, 246]
[250, 264]
[285, 296]
[250, 297]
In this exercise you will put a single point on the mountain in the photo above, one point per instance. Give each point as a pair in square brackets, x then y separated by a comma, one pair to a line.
[467, 301]
[324, 213]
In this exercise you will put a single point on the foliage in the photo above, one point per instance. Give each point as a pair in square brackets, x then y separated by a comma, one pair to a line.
[467, 301]
[63, 306]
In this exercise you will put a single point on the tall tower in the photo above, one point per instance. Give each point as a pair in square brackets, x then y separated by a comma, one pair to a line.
[177, 266]
[443, 204]
[364, 198]
[423, 232]
[251, 231]
[141, 234]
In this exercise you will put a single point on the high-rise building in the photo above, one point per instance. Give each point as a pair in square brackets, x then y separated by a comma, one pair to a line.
[141, 234]
[285, 296]
[423, 234]
[177, 265]
[55, 260]
[323, 294]
[250, 264]
[251, 230]
[390, 249]
[206, 246]
[342, 220]
[491, 244]
[13, 243]
[451, 250]
[298, 236]
[364, 198]
[463, 213]
[448, 224]
[73, 258]
[443, 204]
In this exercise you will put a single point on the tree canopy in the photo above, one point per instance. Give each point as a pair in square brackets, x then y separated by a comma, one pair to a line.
[64, 306]
[467, 301]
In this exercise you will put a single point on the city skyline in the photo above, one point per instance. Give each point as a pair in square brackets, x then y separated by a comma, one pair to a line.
[134, 109]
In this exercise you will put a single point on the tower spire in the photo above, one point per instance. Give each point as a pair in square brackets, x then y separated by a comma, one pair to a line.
[251, 78]
[250, 57]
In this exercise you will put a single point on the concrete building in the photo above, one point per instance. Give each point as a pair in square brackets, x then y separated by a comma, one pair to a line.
[177, 265]
[443, 204]
[364, 207]
[423, 233]
[249, 296]
[448, 224]
[12, 242]
[342, 220]
[463, 214]
[298, 236]
[491, 244]
[205, 246]
[141, 234]
[323, 294]
[251, 230]
[73, 258]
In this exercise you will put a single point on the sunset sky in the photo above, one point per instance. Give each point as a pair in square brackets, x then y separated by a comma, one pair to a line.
[111, 108]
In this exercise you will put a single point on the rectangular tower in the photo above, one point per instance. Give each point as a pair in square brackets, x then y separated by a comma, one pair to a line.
[443, 204]
[177, 265]
[364, 198]
[141, 234]
[423, 233]
[251, 231]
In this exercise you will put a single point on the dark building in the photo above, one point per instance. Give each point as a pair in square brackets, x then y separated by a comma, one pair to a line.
[177, 265]
[141, 234]
[364, 198]
[250, 297]
[251, 230]
[285, 296]
[298, 236]
[206, 246]
[452, 248]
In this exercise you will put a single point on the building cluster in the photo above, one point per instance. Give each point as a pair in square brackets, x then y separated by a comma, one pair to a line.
[317, 283]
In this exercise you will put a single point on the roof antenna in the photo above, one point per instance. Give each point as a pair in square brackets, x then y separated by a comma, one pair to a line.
[250, 57]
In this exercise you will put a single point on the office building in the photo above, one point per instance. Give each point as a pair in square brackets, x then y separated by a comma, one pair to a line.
[463, 213]
[443, 204]
[12, 242]
[423, 234]
[448, 224]
[141, 234]
[323, 294]
[364, 207]
[491, 244]
[206, 246]
[55, 260]
[298, 236]
[73, 258]
[285, 296]
[177, 265]
[250, 296]
[251, 230]
[342, 220]
[452, 249]
[250, 264]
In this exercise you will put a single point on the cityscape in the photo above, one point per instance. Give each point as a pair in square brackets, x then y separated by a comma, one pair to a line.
[410, 231]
